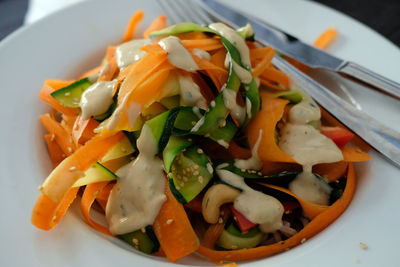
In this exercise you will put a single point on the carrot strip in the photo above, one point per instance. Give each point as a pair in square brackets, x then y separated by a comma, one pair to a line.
[331, 171]
[54, 191]
[55, 152]
[112, 67]
[315, 226]
[131, 28]
[276, 76]
[82, 130]
[326, 38]
[88, 197]
[354, 154]
[45, 96]
[266, 120]
[204, 44]
[57, 84]
[62, 137]
[311, 210]
[46, 213]
[268, 54]
[177, 239]
[215, 230]
[103, 195]
[158, 24]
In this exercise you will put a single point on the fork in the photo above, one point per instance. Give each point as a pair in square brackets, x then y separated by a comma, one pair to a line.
[382, 138]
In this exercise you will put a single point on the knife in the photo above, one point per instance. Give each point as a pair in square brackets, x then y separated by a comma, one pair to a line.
[304, 53]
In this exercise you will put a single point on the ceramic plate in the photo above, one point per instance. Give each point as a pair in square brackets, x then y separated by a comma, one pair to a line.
[74, 39]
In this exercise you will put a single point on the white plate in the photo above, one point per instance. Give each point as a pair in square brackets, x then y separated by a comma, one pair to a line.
[73, 40]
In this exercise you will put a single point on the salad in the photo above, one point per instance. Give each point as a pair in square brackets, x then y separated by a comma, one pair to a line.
[187, 139]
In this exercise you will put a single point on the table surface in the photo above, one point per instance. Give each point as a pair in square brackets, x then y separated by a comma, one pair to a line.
[380, 15]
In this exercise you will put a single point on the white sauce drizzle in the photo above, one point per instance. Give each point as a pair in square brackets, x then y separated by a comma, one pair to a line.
[201, 54]
[130, 52]
[237, 111]
[177, 54]
[253, 162]
[132, 111]
[138, 195]
[248, 108]
[232, 36]
[243, 74]
[97, 99]
[196, 111]
[254, 205]
[223, 143]
[190, 93]
[307, 146]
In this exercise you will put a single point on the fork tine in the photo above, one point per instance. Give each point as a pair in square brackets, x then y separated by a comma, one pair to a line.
[184, 10]
[172, 16]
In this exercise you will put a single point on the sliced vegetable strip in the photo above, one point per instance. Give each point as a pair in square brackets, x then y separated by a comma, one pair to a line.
[112, 66]
[173, 229]
[326, 38]
[88, 197]
[45, 96]
[55, 152]
[266, 120]
[46, 213]
[132, 25]
[315, 226]
[158, 24]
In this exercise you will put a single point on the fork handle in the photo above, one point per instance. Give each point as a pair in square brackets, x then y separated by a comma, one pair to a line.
[370, 78]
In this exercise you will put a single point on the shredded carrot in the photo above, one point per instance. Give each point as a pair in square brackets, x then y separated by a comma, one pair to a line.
[62, 137]
[326, 38]
[173, 229]
[266, 120]
[102, 196]
[56, 191]
[267, 53]
[238, 152]
[158, 24]
[55, 152]
[82, 130]
[214, 231]
[45, 96]
[88, 197]
[271, 75]
[46, 213]
[204, 44]
[112, 67]
[354, 154]
[132, 25]
[331, 171]
[90, 72]
[315, 226]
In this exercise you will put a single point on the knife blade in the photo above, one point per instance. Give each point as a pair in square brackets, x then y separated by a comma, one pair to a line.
[291, 46]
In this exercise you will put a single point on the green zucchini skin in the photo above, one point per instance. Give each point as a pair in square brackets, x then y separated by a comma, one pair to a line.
[145, 242]
[70, 96]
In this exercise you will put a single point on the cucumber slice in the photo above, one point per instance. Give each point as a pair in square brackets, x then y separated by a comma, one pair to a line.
[121, 149]
[145, 241]
[236, 240]
[170, 102]
[190, 173]
[70, 96]
[96, 173]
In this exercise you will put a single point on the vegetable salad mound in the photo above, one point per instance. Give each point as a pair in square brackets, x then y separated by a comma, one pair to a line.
[188, 140]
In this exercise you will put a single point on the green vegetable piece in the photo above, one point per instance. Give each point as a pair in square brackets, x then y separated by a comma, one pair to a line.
[232, 229]
[246, 32]
[230, 241]
[174, 146]
[145, 241]
[70, 96]
[96, 173]
[121, 149]
[181, 28]
[170, 102]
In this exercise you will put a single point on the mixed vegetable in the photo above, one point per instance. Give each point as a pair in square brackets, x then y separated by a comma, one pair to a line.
[190, 140]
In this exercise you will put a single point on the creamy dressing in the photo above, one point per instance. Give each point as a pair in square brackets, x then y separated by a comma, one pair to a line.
[190, 93]
[305, 111]
[243, 74]
[307, 146]
[252, 163]
[254, 205]
[138, 195]
[237, 111]
[130, 52]
[234, 38]
[177, 54]
[132, 112]
[97, 99]
[201, 54]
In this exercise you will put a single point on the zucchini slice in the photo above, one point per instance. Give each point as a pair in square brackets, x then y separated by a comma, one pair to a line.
[70, 96]
[96, 173]
[143, 240]
[231, 238]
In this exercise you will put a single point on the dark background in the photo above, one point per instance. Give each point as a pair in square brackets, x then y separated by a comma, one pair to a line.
[381, 15]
